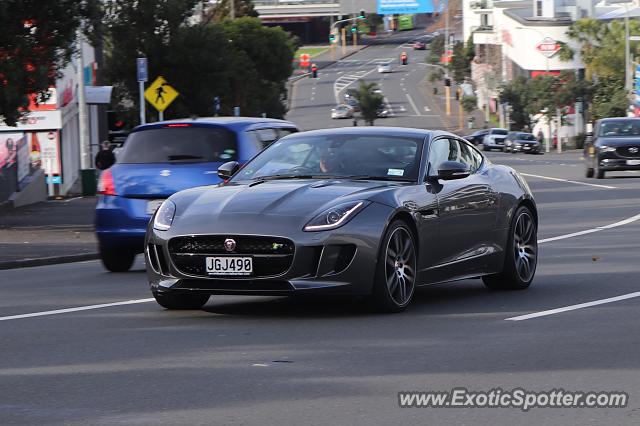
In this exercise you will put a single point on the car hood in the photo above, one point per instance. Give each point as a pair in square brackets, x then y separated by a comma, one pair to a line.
[619, 141]
[296, 200]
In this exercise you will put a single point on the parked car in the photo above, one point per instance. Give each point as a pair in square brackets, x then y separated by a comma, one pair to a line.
[162, 158]
[614, 145]
[477, 137]
[350, 93]
[342, 111]
[353, 103]
[325, 212]
[521, 142]
[383, 112]
[385, 67]
[494, 139]
[419, 45]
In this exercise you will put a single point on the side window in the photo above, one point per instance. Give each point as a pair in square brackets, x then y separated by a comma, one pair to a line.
[470, 156]
[285, 131]
[441, 150]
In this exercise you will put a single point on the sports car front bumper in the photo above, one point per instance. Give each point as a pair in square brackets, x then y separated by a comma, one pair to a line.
[341, 261]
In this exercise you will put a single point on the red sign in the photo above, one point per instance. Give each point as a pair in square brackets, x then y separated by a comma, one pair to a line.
[548, 47]
[535, 74]
[304, 59]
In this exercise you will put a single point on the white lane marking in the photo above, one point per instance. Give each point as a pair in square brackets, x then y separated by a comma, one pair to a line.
[574, 307]
[570, 181]
[592, 230]
[413, 105]
[79, 308]
[386, 101]
[426, 109]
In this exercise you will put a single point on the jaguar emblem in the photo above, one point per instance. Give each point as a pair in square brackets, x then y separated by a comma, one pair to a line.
[229, 244]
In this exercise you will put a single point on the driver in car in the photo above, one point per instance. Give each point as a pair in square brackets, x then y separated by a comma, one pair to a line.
[329, 162]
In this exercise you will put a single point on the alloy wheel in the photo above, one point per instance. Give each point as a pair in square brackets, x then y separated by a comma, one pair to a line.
[400, 267]
[525, 245]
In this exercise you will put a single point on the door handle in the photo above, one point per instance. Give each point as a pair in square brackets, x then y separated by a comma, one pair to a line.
[429, 213]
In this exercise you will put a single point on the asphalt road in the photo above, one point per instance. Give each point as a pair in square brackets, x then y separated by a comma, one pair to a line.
[278, 361]
[312, 99]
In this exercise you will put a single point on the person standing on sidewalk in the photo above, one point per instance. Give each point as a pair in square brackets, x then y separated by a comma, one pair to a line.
[105, 158]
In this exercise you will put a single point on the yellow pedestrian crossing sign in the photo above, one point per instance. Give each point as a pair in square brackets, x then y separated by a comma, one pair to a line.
[160, 94]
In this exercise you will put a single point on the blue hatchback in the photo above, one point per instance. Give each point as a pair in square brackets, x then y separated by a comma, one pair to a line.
[162, 158]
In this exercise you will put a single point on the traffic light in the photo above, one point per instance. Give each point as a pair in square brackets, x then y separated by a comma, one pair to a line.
[354, 28]
[332, 38]
[361, 16]
[115, 121]
[447, 82]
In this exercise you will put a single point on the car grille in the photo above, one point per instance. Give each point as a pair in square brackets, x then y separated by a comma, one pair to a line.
[499, 140]
[625, 151]
[272, 256]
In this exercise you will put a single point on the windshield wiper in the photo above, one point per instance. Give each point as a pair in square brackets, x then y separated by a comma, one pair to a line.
[184, 157]
[382, 178]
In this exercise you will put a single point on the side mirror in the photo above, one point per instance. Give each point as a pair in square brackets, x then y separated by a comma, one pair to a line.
[450, 170]
[227, 170]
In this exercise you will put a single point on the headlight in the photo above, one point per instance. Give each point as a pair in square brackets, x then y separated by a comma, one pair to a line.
[607, 148]
[336, 216]
[164, 216]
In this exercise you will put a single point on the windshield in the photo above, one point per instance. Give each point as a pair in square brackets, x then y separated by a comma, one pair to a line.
[499, 132]
[620, 128]
[330, 156]
[180, 144]
[526, 137]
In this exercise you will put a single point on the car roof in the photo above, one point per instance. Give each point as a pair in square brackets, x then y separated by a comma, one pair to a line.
[232, 123]
[374, 130]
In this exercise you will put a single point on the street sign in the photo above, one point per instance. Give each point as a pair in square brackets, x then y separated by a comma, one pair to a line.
[141, 65]
[160, 94]
[304, 59]
[548, 47]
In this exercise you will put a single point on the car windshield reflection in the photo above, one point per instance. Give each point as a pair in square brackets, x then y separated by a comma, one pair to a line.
[350, 156]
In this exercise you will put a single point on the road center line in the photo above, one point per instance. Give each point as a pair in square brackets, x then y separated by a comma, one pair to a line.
[79, 308]
[570, 181]
[574, 307]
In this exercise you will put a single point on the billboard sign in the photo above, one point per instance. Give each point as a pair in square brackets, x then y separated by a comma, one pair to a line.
[399, 7]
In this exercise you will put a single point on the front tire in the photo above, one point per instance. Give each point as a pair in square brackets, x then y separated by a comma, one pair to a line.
[396, 271]
[117, 260]
[598, 171]
[181, 301]
[521, 255]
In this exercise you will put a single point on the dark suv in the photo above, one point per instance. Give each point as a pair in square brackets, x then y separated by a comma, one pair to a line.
[614, 145]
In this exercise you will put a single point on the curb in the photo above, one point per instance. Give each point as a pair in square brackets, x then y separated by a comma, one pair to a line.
[52, 260]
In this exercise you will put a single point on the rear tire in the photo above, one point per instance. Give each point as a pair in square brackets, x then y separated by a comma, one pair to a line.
[521, 255]
[181, 301]
[396, 270]
[117, 260]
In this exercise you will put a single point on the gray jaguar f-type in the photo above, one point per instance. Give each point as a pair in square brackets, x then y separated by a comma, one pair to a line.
[355, 211]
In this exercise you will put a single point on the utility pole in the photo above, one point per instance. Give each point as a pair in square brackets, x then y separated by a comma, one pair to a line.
[232, 9]
[83, 117]
[344, 40]
[460, 110]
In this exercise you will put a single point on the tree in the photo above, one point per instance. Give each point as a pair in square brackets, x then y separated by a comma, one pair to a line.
[370, 101]
[221, 10]
[517, 94]
[242, 62]
[36, 43]
[469, 103]
[436, 50]
[461, 61]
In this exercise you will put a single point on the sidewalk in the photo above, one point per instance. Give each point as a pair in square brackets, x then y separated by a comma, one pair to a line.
[49, 232]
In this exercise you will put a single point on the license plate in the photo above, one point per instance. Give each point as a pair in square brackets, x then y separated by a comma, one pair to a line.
[526, 147]
[153, 205]
[229, 265]
[633, 162]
